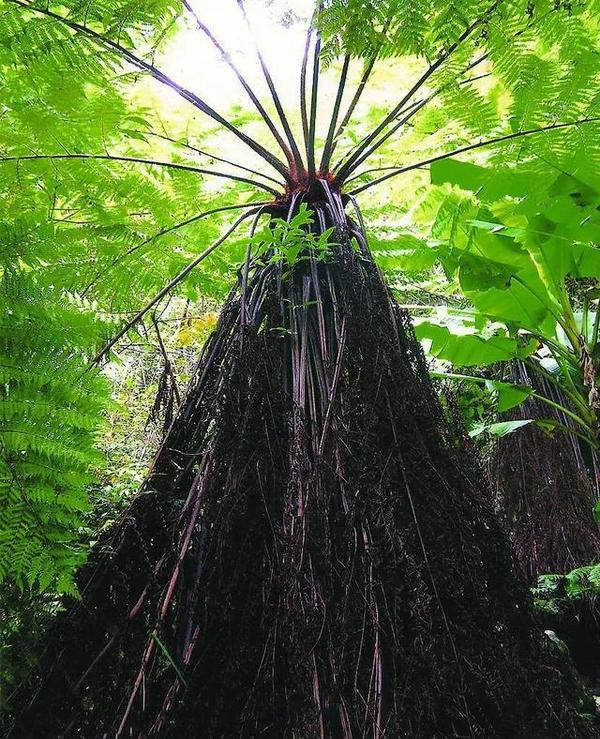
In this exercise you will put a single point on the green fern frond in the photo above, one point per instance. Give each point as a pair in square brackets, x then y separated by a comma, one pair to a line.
[49, 415]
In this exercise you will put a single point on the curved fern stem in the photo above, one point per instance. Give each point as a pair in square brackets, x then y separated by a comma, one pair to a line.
[313, 110]
[210, 155]
[409, 111]
[440, 89]
[187, 95]
[297, 157]
[355, 100]
[352, 162]
[165, 231]
[488, 142]
[172, 284]
[243, 82]
[329, 142]
[137, 160]
[303, 72]
[166, 359]
[414, 109]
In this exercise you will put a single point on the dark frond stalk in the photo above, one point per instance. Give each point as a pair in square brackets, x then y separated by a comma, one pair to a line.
[405, 115]
[368, 68]
[167, 230]
[137, 160]
[354, 102]
[328, 148]
[172, 284]
[244, 83]
[471, 147]
[297, 162]
[210, 155]
[303, 75]
[350, 164]
[414, 109]
[187, 95]
[434, 94]
[166, 359]
[314, 98]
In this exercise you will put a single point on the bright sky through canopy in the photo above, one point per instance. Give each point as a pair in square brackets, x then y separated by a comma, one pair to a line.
[279, 26]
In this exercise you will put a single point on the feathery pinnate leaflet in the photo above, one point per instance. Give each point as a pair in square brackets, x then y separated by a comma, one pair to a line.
[122, 229]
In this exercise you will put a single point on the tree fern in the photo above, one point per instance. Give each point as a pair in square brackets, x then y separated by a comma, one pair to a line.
[112, 211]
[113, 231]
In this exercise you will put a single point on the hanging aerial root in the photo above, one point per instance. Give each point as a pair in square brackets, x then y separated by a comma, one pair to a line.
[307, 557]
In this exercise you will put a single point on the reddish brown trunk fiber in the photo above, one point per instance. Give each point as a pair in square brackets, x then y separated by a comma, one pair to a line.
[307, 558]
[543, 490]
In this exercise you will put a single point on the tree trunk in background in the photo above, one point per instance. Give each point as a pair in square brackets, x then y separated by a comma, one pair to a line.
[543, 488]
[308, 557]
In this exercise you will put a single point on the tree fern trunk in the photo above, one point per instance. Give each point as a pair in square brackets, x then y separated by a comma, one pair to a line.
[543, 488]
[308, 558]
